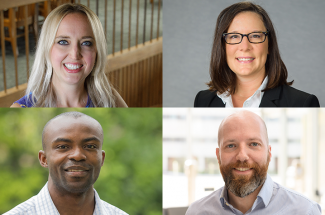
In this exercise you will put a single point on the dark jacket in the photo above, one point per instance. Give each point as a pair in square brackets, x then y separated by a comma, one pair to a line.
[281, 96]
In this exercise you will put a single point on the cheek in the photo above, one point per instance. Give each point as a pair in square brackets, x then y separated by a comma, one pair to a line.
[56, 57]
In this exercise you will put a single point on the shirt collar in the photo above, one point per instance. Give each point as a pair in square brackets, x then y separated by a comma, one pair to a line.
[227, 98]
[265, 193]
[44, 203]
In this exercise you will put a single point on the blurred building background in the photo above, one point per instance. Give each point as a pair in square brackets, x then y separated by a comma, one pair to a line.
[190, 167]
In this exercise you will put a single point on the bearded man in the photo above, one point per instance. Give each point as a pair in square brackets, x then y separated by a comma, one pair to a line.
[244, 155]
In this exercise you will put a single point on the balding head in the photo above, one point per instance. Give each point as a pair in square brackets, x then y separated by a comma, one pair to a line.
[240, 119]
[62, 119]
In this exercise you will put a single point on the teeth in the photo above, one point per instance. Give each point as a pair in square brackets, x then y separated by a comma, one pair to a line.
[242, 169]
[73, 66]
[75, 170]
[245, 59]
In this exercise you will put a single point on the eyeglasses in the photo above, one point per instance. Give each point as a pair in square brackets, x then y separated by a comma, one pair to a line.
[236, 38]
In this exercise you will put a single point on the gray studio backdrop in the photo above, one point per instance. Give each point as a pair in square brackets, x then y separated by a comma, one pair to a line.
[188, 35]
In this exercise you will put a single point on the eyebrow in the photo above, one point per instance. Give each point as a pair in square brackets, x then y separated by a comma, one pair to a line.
[90, 139]
[67, 37]
[60, 139]
[249, 33]
[249, 139]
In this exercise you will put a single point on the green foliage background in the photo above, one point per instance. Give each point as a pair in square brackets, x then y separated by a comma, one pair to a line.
[131, 178]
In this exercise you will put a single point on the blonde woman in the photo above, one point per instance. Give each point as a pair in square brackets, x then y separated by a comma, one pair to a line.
[69, 66]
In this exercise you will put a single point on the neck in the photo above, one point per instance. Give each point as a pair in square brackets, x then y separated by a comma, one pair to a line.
[70, 95]
[78, 203]
[245, 88]
[243, 204]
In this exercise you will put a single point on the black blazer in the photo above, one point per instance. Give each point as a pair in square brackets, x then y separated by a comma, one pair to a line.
[281, 96]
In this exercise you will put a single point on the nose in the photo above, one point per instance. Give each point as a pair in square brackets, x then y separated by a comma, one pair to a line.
[242, 154]
[75, 52]
[245, 44]
[77, 155]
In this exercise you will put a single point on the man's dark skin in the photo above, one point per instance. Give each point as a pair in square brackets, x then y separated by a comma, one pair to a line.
[73, 154]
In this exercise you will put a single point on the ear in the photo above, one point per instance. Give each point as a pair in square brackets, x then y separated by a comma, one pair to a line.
[218, 155]
[270, 154]
[42, 158]
[103, 157]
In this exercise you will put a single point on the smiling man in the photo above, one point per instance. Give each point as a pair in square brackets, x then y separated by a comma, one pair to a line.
[72, 151]
[244, 155]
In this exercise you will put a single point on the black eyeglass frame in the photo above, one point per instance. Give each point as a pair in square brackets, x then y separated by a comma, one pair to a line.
[246, 35]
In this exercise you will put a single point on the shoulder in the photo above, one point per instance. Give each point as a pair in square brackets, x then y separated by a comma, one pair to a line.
[298, 98]
[296, 202]
[206, 205]
[23, 102]
[25, 208]
[112, 210]
[207, 98]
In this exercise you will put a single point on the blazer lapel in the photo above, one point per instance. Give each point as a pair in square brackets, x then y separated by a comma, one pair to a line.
[270, 97]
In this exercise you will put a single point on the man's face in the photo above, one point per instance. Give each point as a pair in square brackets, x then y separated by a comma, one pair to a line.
[244, 154]
[73, 153]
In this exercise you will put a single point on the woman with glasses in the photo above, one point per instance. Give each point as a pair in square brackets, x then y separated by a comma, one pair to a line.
[246, 68]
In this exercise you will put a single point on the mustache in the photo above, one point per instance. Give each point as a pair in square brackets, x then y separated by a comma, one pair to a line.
[245, 164]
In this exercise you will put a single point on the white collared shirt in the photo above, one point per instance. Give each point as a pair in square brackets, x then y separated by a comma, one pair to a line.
[252, 102]
[42, 204]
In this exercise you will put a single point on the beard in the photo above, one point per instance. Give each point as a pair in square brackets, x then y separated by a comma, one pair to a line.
[243, 185]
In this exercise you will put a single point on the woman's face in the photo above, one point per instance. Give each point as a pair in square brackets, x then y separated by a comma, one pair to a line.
[245, 23]
[73, 53]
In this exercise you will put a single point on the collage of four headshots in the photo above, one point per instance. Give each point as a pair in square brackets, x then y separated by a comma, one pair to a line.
[101, 115]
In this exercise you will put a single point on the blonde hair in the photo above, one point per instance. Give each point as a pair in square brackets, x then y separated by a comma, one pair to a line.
[39, 88]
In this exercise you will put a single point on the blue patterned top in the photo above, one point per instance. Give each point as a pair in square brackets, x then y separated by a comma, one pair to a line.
[24, 102]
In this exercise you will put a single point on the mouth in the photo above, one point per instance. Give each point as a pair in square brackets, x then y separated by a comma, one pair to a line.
[245, 59]
[242, 169]
[76, 171]
[72, 67]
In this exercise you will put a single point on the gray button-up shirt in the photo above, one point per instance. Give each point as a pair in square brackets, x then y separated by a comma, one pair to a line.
[272, 199]
[42, 204]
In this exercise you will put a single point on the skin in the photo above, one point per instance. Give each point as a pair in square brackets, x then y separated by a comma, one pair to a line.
[243, 137]
[249, 75]
[74, 43]
[73, 144]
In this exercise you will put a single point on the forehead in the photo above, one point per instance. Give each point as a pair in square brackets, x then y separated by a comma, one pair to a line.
[75, 24]
[246, 22]
[243, 128]
[73, 128]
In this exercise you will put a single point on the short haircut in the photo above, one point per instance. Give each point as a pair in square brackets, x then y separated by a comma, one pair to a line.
[72, 114]
[39, 89]
[223, 79]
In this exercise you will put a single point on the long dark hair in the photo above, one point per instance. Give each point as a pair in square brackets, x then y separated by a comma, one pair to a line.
[222, 77]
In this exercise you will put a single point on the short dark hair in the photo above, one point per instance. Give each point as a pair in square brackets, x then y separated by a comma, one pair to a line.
[222, 77]
[72, 114]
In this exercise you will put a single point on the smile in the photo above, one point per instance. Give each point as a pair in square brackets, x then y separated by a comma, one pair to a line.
[242, 169]
[72, 66]
[245, 59]
[76, 170]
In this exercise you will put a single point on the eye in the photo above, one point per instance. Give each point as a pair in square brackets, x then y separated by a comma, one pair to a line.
[234, 36]
[87, 43]
[63, 42]
[257, 36]
[230, 146]
[91, 146]
[254, 144]
[62, 147]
